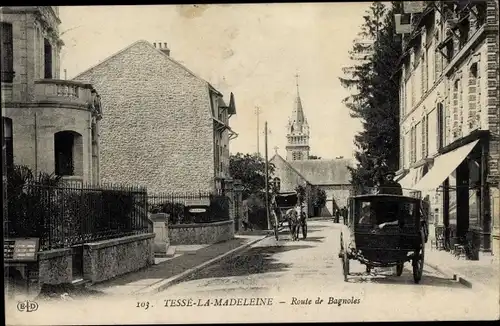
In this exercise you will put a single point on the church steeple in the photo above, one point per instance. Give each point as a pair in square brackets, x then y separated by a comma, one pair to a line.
[298, 131]
[298, 111]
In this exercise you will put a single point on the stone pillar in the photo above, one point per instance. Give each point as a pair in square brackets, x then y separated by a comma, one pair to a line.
[229, 193]
[238, 201]
[462, 198]
[160, 229]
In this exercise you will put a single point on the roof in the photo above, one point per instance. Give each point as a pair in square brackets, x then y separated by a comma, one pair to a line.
[322, 172]
[159, 53]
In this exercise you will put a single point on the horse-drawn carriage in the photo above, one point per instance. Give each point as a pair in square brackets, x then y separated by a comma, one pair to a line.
[286, 207]
[385, 231]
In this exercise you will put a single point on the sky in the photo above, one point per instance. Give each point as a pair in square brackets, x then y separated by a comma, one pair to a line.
[252, 50]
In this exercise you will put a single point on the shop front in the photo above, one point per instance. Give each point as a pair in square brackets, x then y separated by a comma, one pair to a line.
[458, 178]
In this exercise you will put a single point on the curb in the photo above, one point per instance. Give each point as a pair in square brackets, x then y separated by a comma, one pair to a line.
[464, 280]
[162, 285]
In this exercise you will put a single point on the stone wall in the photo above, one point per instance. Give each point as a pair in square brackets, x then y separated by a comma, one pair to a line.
[110, 258]
[201, 233]
[157, 127]
[55, 266]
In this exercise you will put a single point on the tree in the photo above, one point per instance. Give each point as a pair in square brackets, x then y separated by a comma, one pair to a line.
[376, 102]
[251, 170]
[319, 198]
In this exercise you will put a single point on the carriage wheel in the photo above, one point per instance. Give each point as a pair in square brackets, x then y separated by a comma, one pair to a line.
[276, 235]
[304, 230]
[418, 260]
[345, 259]
[345, 266]
[399, 269]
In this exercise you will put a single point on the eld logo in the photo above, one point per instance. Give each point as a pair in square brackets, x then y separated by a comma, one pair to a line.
[28, 306]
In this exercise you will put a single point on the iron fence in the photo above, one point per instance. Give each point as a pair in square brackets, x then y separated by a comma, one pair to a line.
[194, 207]
[64, 216]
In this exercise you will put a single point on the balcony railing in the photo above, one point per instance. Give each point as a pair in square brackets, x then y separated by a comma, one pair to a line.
[62, 92]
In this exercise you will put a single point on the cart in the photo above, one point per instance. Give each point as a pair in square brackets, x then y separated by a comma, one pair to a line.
[385, 231]
[285, 201]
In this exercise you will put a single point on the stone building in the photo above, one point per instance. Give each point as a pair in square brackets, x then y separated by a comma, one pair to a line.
[449, 114]
[165, 128]
[50, 125]
[332, 176]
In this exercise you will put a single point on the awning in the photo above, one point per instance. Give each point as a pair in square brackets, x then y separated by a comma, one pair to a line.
[444, 165]
[408, 180]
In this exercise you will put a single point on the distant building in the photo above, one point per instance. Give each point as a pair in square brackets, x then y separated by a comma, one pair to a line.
[332, 176]
[449, 99]
[165, 128]
[50, 125]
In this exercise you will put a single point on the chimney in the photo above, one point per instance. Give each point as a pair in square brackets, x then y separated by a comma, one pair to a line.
[165, 49]
[162, 47]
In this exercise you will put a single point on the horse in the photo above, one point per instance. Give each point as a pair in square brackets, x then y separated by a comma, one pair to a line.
[293, 223]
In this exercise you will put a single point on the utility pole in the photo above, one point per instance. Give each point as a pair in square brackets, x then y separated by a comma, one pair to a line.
[267, 179]
[4, 176]
[258, 111]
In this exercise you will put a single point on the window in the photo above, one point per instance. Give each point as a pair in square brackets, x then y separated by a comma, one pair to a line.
[8, 143]
[464, 32]
[413, 143]
[473, 101]
[48, 59]
[455, 107]
[441, 121]
[423, 76]
[438, 64]
[425, 136]
[401, 151]
[7, 53]
[68, 150]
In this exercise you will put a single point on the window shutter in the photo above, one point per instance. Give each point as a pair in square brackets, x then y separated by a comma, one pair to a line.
[423, 138]
[455, 108]
[7, 53]
[423, 74]
[401, 151]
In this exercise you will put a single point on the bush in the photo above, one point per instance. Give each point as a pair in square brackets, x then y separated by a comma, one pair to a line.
[257, 211]
[31, 202]
[59, 216]
[219, 208]
[175, 212]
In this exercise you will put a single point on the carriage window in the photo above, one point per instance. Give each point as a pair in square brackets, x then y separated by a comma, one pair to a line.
[382, 211]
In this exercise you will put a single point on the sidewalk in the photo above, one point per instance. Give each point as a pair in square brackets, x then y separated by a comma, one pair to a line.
[167, 271]
[483, 274]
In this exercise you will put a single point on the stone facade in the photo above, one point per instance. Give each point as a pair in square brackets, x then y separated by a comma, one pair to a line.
[110, 258]
[36, 105]
[164, 128]
[55, 266]
[332, 176]
[448, 97]
[202, 233]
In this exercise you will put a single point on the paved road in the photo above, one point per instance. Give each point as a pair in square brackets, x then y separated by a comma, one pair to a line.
[283, 271]
[308, 269]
